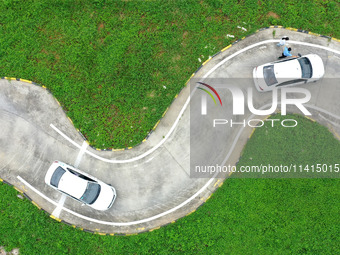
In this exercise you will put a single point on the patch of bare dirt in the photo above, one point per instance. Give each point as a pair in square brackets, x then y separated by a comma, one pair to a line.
[176, 58]
[100, 26]
[273, 14]
[185, 34]
[151, 94]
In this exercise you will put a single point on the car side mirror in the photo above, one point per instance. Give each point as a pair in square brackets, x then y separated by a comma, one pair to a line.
[299, 54]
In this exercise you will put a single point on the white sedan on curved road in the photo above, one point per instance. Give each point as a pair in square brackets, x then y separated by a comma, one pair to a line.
[80, 186]
[288, 72]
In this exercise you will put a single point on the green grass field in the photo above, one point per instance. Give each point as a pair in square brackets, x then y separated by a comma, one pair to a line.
[244, 216]
[115, 66]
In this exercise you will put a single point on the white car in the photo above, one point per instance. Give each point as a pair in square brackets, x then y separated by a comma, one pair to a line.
[80, 186]
[288, 72]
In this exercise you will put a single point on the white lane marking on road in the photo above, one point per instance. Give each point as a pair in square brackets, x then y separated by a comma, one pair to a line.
[333, 123]
[161, 142]
[36, 191]
[322, 110]
[148, 160]
[188, 100]
[80, 154]
[61, 202]
[65, 136]
[116, 223]
[173, 209]
[57, 210]
[252, 116]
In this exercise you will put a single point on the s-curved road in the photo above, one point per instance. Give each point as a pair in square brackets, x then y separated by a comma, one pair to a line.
[154, 181]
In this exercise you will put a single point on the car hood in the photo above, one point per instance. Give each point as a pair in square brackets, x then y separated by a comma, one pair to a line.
[105, 198]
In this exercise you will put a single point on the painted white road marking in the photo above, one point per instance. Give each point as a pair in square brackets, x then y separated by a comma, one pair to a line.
[148, 160]
[36, 191]
[80, 154]
[333, 123]
[65, 136]
[252, 116]
[57, 210]
[117, 223]
[322, 110]
[187, 102]
[165, 138]
[178, 206]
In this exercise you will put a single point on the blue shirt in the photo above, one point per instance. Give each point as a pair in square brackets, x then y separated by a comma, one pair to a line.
[286, 52]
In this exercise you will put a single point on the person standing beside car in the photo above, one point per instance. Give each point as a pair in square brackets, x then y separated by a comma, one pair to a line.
[286, 53]
[283, 41]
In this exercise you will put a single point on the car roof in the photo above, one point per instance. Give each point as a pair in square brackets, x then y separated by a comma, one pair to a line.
[287, 70]
[72, 185]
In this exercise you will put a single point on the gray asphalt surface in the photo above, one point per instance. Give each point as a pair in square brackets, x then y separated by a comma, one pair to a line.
[157, 188]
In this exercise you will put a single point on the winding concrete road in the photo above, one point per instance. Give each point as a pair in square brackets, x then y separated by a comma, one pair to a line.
[154, 181]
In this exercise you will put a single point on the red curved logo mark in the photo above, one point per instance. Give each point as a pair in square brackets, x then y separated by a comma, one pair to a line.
[212, 89]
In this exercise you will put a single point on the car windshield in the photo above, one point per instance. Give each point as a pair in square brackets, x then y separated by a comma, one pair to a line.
[269, 75]
[306, 68]
[58, 173]
[91, 193]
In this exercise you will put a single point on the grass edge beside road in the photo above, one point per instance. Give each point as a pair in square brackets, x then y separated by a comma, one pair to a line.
[243, 216]
[115, 67]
